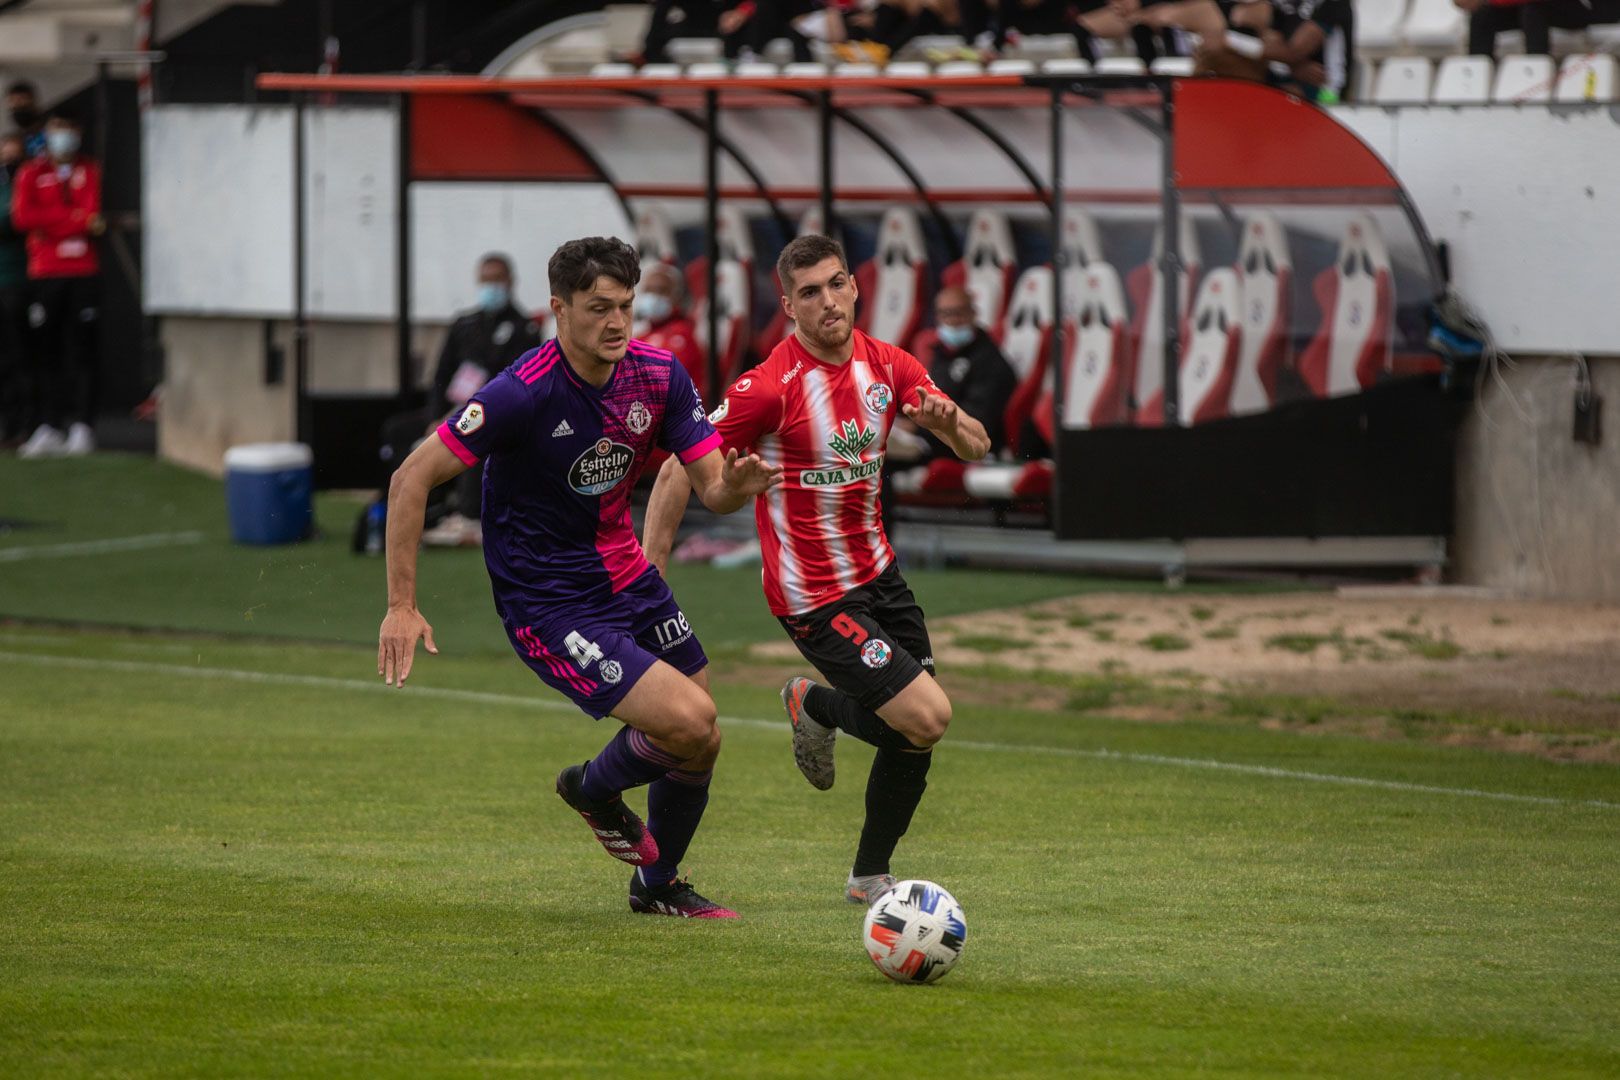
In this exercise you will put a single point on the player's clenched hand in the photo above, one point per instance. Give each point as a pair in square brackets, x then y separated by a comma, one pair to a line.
[937, 414]
[749, 475]
[396, 643]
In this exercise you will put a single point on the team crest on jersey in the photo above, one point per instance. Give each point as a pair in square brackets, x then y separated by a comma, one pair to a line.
[875, 653]
[879, 397]
[600, 468]
[638, 419]
[472, 418]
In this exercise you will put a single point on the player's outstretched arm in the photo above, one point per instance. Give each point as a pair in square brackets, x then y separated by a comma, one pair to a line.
[962, 433]
[429, 465]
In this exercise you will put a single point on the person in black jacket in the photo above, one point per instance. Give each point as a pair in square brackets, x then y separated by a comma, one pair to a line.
[482, 341]
[969, 368]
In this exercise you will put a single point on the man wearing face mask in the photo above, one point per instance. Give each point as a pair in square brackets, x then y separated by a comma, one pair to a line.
[13, 301]
[56, 200]
[661, 319]
[969, 368]
[22, 102]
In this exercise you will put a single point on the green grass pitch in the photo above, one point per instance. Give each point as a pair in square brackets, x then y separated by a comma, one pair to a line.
[241, 856]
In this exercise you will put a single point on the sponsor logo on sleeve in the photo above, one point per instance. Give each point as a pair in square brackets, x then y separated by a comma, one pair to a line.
[875, 653]
[720, 413]
[601, 468]
[472, 418]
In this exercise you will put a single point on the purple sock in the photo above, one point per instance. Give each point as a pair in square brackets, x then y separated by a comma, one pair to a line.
[675, 803]
[628, 760]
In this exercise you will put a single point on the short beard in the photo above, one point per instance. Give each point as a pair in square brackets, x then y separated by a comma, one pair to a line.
[823, 340]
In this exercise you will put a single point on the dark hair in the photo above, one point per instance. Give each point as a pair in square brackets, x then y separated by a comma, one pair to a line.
[66, 116]
[499, 259]
[22, 86]
[576, 265]
[805, 252]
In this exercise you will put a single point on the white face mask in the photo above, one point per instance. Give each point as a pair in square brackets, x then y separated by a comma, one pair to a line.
[62, 144]
[954, 337]
[652, 307]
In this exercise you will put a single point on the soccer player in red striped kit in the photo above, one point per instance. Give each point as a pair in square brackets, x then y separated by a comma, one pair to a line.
[821, 406]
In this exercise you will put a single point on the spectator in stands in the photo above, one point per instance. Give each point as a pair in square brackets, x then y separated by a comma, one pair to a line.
[22, 102]
[754, 24]
[1306, 46]
[1534, 18]
[14, 396]
[875, 30]
[481, 343]
[662, 321]
[968, 368]
[56, 200]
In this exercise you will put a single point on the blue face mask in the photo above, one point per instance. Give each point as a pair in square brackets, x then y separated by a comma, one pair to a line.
[493, 297]
[955, 337]
[653, 307]
[62, 144]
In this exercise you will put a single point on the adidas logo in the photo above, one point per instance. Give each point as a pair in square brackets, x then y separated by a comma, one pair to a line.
[561, 429]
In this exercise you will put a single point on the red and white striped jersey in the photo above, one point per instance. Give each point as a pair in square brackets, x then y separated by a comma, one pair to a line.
[826, 424]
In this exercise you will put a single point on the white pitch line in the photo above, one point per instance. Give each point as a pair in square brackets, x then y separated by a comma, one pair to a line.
[99, 547]
[522, 701]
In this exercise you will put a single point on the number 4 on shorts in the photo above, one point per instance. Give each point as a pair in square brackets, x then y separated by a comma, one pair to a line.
[585, 653]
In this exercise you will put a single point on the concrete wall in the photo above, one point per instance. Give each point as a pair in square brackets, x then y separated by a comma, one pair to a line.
[1537, 512]
[214, 390]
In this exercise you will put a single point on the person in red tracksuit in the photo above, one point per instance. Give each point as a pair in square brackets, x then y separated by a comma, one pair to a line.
[662, 322]
[56, 200]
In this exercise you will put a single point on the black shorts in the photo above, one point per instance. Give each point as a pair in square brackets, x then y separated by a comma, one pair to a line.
[871, 643]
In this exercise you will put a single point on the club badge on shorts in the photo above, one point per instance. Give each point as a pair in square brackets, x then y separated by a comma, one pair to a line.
[875, 653]
[611, 672]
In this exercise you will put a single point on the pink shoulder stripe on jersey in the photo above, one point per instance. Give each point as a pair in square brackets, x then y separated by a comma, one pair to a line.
[448, 436]
[692, 453]
[643, 351]
[541, 363]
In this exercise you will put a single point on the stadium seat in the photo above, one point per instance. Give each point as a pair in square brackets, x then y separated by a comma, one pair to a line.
[734, 290]
[1028, 322]
[959, 68]
[612, 71]
[1366, 78]
[756, 69]
[1145, 286]
[1266, 272]
[1356, 294]
[1434, 26]
[708, 69]
[1463, 80]
[660, 71]
[1005, 482]
[804, 70]
[1589, 77]
[1209, 357]
[696, 50]
[1067, 65]
[655, 237]
[1097, 359]
[1403, 80]
[1011, 67]
[856, 71]
[1042, 47]
[1378, 24]
[987, 267]
[1120, 65]
[1524, 79]
[908, 69]
[779, 326]
[893, 284]
[1082, 247]
[1173, 65]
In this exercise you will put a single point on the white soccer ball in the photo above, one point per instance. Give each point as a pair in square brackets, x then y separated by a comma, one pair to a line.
[914, 933]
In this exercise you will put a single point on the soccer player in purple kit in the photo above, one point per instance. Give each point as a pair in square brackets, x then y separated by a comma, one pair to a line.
[563, 434]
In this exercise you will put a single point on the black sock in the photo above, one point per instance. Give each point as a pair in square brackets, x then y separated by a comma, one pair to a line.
[834, 708]
[893, 790]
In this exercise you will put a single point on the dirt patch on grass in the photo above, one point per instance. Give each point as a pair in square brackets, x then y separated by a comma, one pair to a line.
[1513, 675]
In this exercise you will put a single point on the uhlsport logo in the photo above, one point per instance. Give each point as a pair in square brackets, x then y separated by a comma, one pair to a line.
[875, 653]
[638, 419]
[601, 467]
[472, 418]
[878, 397]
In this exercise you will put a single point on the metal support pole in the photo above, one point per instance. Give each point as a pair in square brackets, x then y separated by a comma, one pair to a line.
[1170, 262]
[711, 222]
[300, 312]
[1059, 264]
[824, 118]
[402, 262]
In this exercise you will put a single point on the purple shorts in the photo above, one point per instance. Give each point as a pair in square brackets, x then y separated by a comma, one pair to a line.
[594, 653]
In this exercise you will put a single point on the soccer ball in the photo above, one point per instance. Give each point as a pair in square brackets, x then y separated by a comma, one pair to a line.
[914, 933]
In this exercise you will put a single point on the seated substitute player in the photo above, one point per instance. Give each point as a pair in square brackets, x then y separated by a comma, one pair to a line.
[563, 433]
[821, 406]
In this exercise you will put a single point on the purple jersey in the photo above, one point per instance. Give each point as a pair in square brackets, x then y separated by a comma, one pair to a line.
[560, 458]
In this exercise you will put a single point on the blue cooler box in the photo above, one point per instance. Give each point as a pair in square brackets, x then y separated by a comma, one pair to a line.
[269, 492]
